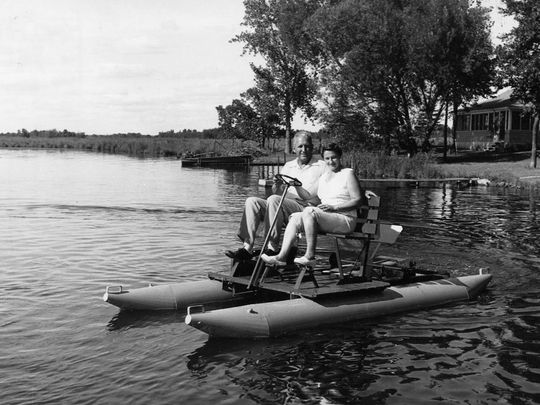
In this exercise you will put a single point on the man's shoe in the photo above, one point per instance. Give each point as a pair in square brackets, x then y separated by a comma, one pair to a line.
[272, 260]
[240, 254]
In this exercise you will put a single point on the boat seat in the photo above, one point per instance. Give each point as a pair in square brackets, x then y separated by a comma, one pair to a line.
[369, 231]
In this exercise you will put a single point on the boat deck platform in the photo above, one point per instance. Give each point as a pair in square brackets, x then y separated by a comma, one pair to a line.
[311, 284]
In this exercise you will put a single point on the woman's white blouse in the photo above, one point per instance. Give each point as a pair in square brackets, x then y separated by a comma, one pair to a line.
[333, 189]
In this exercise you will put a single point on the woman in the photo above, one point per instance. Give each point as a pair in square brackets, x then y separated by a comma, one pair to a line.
[340, 196]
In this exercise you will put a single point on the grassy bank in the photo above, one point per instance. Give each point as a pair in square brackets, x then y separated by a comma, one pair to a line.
[511, 170]
[507, 170]
[372, 165]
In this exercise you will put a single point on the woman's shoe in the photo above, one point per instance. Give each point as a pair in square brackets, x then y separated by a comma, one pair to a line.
[304, 261]
[272, 260]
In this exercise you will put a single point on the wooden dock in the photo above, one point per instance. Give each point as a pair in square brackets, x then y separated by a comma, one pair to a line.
[460, 181]
[217, 161]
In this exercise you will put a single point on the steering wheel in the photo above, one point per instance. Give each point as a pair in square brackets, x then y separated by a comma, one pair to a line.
[288, 180]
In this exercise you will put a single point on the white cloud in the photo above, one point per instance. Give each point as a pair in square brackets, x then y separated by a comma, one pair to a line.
[103, 66]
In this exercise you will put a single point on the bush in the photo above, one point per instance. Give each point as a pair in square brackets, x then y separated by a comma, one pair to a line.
[370, 165]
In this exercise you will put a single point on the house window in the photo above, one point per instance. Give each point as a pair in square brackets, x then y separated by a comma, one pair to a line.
[516, 118]
[526, 122]
[521, 120]
[480, 122]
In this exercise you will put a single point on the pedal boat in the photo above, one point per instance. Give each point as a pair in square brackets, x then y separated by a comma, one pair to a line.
[272, 319]
[254, 300]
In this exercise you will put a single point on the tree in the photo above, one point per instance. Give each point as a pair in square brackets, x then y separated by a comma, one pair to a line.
[345, 118]
[269, 122]
[253, 116]
[268, 34]
[470, 70]
[402, 61]
[238, 120]
[520, 60]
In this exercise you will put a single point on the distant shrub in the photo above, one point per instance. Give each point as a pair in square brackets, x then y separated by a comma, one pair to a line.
[371, 165]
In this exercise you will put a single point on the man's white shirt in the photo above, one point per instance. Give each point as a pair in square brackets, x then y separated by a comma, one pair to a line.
[308, 174]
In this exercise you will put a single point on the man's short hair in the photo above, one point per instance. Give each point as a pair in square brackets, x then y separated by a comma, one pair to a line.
[300, 133]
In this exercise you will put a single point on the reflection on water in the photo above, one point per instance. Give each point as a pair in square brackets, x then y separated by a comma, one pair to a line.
[73, 223]
[443, 356]
[142, 319]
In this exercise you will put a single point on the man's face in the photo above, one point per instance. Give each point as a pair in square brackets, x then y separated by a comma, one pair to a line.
[304, 149]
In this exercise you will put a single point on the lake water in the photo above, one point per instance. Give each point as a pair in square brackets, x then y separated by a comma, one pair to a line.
[73, 223]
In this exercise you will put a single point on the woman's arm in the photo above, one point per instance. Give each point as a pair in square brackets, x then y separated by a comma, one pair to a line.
[355, 193]
[356, 197]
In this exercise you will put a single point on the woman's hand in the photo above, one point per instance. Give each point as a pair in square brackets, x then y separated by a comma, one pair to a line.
[328, 207]
[370, 194]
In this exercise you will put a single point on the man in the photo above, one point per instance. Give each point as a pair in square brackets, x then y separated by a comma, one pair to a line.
[257, 210]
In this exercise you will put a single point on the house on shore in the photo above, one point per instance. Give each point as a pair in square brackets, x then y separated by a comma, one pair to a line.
[497, 123]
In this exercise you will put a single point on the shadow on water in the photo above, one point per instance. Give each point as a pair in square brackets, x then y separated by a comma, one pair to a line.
[124, 319]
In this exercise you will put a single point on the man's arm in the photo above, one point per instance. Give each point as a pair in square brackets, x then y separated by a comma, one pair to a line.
[303, 193]
[278, 186]
[310, 186]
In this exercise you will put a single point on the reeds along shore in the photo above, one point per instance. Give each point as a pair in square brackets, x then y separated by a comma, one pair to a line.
[139, 146]
[366, 164]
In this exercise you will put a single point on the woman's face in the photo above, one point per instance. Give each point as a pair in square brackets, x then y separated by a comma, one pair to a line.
[332, 160]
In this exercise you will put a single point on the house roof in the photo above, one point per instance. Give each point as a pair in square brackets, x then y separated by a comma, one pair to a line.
[501, 100]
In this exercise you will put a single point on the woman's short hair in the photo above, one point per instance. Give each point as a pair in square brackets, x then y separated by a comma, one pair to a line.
[332, 147]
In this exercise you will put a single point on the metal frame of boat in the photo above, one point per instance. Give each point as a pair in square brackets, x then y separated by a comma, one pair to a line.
[365, 272]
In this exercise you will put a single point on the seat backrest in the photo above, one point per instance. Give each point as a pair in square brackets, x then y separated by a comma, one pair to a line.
[369, 226]
[368, 215]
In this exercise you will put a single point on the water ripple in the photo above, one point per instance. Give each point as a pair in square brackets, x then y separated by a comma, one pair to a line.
[85, 221]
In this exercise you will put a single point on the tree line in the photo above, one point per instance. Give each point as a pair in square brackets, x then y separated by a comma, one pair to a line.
[377, 74]
[212, 133]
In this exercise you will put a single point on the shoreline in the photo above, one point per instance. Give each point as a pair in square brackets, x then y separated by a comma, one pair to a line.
[504, 170]
[508, 170]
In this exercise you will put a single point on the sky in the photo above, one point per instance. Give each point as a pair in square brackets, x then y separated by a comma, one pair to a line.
[118, 66]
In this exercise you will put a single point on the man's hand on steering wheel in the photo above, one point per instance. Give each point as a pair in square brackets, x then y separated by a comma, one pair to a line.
[288, 180]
